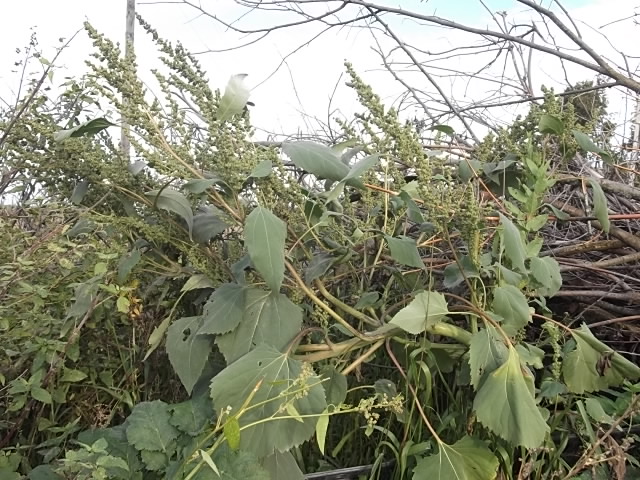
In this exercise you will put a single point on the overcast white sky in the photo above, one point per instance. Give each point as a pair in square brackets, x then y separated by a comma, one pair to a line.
[316, 68]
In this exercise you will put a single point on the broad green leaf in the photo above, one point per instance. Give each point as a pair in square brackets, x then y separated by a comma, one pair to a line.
[282, 466]
[127, 263]
[319, 160]
[279, 377]
[88, 128]
[154, 461]
[596, 411]
[128, 206]
[506, 406]
[385, 387]
[263, 169]
[513, 208]
[546, 271]
[265, 236]
[467, 459]
[455, 273]
[9, 463]
[600, 205]
[342, 146]
[362, 166]
[519, 195]
[192, 415]
[79, 192]
[231, 432]
[269, 318]
[149, 428]
[43, 472]
[238, 269]
[446, 359]
[468, 169]
[123, 304]
[606, 157]
[530, 355]
[426, 309]
[321, 430]
[72, 375]
[110, 462]
[199, 185]
[156, 336]
[346, 156]
[550, 124]
[315, 213]
[404, 251]
[366, 300]
[318, 266]
[335, 385]
[507, 276]
[41, 395]
[536, 223]
[84, 295]
[487, 352]
[550, 388]
[240, 465]
[207, 225]
[82, 226]
[173, 201]
[591, 365]
[197, 282]
[235, 98]
[511, 304]
[534, 247]
[118, 445]
[558, 213]
[495, 169]
[513, 244]
[188, 352]
[224, 310]
[100, 268]
[334, 194]
[585, 142]
[413, 211]
[412, 189]
[444, 129]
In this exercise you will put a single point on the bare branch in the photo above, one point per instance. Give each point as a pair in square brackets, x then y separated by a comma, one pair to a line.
[449, 103]
[606, 69]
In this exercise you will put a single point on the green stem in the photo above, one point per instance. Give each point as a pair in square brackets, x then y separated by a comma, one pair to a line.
[321, 304]
[451, 331]
[343, 306]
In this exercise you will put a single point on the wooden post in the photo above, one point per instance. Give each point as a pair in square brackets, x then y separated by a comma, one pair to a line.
[131, 17]
[636, 136]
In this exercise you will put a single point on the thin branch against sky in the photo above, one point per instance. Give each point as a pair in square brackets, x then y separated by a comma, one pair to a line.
[485, 70]
[505, 54]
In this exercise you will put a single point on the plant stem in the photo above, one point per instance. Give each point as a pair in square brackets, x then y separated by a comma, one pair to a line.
[321, 304]
[413, 392]
[343, 306]
[363, 357]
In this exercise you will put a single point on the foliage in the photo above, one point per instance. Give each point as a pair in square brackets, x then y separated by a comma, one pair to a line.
[276, 273]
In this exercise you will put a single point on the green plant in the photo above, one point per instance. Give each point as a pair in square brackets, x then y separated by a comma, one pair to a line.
[287, 273]
[66, 364]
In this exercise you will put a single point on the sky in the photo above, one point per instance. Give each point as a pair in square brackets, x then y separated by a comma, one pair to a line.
[288, 93]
